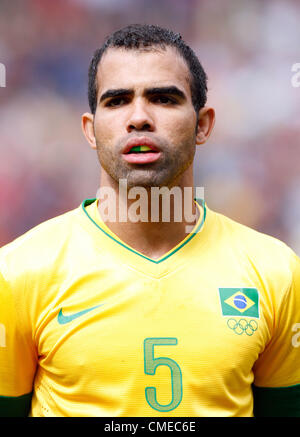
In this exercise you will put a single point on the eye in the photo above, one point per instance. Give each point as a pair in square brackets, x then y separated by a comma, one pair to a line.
[116, 101]
[165, 100]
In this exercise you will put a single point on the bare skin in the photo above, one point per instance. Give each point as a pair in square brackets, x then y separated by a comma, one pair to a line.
[145, 105]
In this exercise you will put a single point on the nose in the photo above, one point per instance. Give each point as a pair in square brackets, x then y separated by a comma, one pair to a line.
[140, 117]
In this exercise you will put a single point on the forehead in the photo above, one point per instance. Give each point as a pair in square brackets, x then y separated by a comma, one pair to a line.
[121, 68]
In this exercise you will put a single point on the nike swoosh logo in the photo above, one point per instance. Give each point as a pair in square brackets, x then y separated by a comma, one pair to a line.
[62, 319]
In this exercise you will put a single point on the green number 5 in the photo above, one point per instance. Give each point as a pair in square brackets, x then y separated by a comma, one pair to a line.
[150, 365]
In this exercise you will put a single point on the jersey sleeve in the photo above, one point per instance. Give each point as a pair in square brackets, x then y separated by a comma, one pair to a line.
[276, 386]
[17, 355]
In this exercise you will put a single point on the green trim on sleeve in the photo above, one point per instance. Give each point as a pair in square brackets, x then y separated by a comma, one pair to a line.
[276, 401]
[18, 406]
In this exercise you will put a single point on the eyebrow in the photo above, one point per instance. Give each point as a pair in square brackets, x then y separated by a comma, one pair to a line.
[115, 93]
[170, 90]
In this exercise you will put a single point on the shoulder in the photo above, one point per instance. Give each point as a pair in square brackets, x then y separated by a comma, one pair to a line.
[263, 254]
[38, 246]
[249, 238]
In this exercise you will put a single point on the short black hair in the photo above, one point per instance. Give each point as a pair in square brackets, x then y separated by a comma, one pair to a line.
[143, 36]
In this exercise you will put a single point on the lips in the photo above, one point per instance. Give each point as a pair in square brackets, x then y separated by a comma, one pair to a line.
[141, 151]
[140, 142]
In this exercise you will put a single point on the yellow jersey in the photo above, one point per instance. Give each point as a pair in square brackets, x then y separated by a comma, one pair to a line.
[89, 326]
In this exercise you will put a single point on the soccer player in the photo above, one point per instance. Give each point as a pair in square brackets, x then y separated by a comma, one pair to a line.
[105, 315]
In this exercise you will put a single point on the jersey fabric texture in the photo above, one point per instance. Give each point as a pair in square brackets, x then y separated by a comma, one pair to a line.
[91, 327]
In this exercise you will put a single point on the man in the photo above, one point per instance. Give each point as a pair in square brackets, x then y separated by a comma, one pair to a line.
[105, 315]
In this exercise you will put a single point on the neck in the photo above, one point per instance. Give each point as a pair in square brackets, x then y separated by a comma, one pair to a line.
[151, 220]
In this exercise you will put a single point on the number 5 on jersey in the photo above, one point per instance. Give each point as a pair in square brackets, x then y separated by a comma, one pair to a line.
[150, 365]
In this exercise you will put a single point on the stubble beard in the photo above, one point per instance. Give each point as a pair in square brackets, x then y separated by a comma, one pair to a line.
[163, 173]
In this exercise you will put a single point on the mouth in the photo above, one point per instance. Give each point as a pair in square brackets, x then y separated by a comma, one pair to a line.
[141, 151]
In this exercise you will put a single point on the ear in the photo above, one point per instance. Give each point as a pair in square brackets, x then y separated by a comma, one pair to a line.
[87, 124]
[205, 125]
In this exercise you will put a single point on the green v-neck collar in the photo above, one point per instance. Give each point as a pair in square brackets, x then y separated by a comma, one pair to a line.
[198, 227]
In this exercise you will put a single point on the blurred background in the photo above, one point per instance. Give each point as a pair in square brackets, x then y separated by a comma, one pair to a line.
[250, 167]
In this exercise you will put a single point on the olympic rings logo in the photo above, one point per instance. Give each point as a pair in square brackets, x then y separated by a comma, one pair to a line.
[240, 326]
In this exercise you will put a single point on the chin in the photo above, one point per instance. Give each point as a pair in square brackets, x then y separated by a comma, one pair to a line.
[153, 180]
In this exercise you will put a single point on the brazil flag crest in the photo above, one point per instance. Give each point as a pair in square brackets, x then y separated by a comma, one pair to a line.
[239, 301]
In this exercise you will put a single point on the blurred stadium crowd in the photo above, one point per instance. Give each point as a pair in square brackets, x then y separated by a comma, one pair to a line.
[250, 168]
